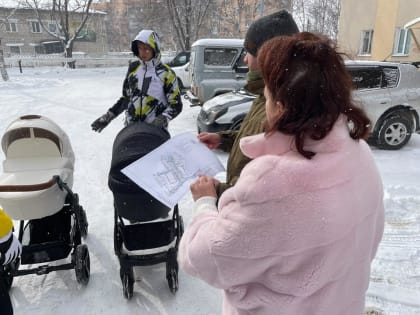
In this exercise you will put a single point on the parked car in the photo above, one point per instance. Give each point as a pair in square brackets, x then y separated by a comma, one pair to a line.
[389, 93]
[180, 64]
[216, 67]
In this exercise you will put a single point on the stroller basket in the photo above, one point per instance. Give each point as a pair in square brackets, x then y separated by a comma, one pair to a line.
[45, 252]
[49, 238]
[132, 143]
[150, 235]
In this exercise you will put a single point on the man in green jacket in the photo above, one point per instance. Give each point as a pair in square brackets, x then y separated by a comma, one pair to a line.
[277, 24]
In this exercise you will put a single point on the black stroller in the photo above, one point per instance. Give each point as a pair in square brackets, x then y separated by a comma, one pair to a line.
[36, 190]
[141, 221]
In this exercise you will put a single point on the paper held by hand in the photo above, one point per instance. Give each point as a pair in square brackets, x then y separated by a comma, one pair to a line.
[167, 172]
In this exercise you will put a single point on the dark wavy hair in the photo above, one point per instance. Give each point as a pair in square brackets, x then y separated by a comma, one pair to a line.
[307, 75]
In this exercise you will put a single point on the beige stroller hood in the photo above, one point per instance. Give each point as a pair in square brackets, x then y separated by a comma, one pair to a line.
[36, 150]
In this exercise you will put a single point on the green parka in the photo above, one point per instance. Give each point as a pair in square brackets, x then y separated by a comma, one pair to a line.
[252, 124]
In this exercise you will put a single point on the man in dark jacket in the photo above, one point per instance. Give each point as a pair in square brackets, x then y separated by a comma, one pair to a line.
[276, 24]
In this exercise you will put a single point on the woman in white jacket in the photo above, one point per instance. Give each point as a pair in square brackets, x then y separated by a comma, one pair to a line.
[298, 231]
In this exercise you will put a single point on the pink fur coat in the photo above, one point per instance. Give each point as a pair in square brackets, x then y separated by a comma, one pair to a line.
[293, 236]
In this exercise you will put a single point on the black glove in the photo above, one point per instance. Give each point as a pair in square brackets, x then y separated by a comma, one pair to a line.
[102, 121]
[160, 121]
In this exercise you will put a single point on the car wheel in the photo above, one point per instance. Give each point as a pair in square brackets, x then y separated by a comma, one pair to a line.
[394, 133]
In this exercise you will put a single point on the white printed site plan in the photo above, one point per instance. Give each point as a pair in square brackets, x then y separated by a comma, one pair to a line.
[167, 172]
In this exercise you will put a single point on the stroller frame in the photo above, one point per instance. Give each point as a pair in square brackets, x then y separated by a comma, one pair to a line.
[137, 237]
[80, 260]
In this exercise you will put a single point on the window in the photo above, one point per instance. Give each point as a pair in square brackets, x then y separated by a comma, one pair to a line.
[214, 29]
[366, 78]
[86, 35]
[39, 49]
[366, 42]
[179, 60]
[14, 50]
[219, 56]
[52, 27]
[392, 76]
[36, 28]
[53, 47]
[11, 26]
[402, 42]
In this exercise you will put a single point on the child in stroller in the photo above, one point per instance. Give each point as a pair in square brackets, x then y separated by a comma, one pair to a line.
[35, 189]
[141, 222]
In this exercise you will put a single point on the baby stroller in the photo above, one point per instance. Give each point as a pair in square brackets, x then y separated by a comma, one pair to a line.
[35, 189]
[141, 222]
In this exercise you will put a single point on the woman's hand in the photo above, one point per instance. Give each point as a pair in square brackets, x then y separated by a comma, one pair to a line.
[203, 186]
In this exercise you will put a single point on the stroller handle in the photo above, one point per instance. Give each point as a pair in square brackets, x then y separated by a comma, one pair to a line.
[34, 187]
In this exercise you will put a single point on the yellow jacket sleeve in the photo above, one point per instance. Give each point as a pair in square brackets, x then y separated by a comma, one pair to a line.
[6, 224]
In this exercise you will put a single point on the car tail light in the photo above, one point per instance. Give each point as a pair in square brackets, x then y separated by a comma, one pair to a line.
[194, 90]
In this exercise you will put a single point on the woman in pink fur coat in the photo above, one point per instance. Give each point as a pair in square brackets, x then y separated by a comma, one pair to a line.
[297, 233]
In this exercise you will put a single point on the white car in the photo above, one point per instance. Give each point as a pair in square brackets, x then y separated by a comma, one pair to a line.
[388, 92]
[181, 64]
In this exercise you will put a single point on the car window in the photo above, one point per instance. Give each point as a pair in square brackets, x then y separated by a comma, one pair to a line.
[241, 62]
[366, 78]
[219, 56]
[180, 59]
[392, 76]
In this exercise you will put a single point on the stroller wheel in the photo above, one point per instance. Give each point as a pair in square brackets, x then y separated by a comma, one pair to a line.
[172, 271]
[118, 241]
[180, 227]
[172, 278]
[82, 264]
[127, 279]
[6, 278]
[83, 223]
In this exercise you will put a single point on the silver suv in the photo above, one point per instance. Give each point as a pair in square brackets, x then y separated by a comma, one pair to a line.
[216, 67]
[389, 93]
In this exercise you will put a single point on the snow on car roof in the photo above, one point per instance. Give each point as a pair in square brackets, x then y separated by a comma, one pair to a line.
[219, 42]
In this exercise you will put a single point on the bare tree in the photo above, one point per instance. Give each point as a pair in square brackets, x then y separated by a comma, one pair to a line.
[3, 23]
[237, 15]
[231, 14]
[319, 16]
[3, 70]
[62, 13]
[187, 18]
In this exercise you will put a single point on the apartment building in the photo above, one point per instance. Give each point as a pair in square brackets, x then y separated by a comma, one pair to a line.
[380, 29]
[22, 34]
[224, 19]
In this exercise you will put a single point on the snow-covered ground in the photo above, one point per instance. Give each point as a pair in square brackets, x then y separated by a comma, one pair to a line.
[73, 99]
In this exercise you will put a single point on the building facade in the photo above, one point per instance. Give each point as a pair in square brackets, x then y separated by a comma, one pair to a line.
[22, 34]
[380, 30]
[223, 19]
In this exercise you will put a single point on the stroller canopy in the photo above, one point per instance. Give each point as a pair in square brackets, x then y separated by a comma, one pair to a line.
[36, 150]
[132, 143]
[36, 136]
